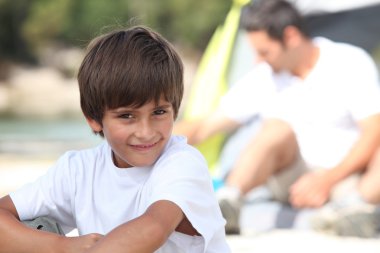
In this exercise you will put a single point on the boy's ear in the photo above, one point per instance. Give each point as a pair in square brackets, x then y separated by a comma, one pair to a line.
[95, 126]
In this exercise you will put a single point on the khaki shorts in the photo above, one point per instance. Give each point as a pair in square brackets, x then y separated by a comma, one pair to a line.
[280, 183]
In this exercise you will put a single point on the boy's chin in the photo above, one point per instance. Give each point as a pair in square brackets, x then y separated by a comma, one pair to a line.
[141, 164]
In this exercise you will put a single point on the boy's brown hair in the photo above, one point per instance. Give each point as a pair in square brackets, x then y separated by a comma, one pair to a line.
[129, 67]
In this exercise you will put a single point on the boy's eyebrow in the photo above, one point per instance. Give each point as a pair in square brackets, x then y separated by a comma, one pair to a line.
[130, 108]
[164, 106]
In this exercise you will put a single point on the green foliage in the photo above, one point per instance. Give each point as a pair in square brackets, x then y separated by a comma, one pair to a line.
[71, 21]
[45, 20]
[89, 17]
[190, 23]
[13, 14]
[26, 25]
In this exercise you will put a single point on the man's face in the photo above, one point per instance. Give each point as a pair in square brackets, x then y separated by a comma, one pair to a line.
[137, 136]
[269, 50]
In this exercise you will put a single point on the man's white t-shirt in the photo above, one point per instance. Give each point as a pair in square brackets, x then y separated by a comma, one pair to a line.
[85, 190]
[323, 109]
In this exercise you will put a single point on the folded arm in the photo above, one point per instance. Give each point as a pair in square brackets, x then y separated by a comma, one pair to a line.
[18, 238]
[143, 234]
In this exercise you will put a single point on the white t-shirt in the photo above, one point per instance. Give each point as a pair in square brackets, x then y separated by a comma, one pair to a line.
[323, 109]
[85, 190]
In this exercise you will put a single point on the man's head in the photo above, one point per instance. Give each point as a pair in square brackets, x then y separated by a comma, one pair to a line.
[129, 67]
[271, 16]
[274, 29]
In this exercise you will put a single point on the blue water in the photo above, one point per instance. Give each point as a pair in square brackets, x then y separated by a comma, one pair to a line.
[38, 137]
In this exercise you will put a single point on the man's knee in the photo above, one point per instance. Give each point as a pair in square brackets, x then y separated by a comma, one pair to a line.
[279, 135]
[278, 131]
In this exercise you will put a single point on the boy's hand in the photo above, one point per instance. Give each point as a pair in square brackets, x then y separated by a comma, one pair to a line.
[79, 244]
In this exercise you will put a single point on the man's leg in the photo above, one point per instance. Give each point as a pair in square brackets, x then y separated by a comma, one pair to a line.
[234, 145]
[271, 151]
[369, 187]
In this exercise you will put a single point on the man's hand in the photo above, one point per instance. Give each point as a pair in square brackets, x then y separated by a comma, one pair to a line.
[311, 190]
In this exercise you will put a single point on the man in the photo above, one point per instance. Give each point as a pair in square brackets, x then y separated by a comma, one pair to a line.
[320, 110]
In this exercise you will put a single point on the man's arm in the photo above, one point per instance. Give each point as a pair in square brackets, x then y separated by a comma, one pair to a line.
[362, 152]
[314, 189]
[200, 130]
[18, 238]
[144, 234]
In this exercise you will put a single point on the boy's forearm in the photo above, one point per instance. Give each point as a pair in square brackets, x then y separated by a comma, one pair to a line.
[146, 233]
[17, 238]
[139, 235]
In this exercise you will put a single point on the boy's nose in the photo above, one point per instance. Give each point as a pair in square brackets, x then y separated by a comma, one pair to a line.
[144, 130]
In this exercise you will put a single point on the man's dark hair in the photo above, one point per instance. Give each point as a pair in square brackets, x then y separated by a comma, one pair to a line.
[272, 16]
[129, 67]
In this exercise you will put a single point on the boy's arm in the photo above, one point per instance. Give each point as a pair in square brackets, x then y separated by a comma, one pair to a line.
[144, 234]
[18, 238]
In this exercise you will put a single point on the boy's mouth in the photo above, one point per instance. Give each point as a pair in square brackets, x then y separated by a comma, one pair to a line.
[143, 146]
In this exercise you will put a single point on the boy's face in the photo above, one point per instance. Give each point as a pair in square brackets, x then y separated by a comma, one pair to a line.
[137, 136]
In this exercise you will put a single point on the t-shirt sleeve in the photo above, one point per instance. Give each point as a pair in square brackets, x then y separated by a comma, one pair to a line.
[183, 179]
[242, 102]
[49, 195]
[363, 88]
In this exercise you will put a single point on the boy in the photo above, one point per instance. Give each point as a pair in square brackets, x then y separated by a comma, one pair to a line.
[142, 190]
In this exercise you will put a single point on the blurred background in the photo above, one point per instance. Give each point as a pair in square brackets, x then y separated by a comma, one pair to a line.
[41, 47]
[42, 44]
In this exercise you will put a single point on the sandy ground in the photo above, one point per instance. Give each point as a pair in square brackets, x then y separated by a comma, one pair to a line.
[15, 172]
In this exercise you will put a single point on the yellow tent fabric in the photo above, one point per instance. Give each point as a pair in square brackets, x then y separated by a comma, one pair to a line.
[211, 79]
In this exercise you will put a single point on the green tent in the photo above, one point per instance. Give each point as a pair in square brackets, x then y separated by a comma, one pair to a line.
[211, 80]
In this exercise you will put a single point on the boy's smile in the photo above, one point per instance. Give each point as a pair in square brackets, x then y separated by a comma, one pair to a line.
[143, 147]
[137, 136]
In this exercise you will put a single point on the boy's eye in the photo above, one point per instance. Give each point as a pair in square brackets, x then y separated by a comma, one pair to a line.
[159, 112]
[126, 116]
